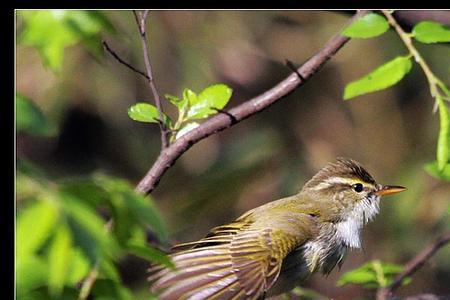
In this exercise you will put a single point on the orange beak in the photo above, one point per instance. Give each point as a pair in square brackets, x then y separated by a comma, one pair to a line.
[385, 190]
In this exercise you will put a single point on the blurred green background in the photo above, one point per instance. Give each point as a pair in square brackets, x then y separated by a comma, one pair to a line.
[84, 95]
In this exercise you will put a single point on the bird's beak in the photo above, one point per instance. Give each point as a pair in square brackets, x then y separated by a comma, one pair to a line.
[384, 190]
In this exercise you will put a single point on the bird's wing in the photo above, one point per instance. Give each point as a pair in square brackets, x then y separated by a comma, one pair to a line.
[235, 261]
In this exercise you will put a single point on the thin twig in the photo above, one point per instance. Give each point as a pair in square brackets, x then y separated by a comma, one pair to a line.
[141, 20]
[413, 265]
[120, 60]
[220, 122]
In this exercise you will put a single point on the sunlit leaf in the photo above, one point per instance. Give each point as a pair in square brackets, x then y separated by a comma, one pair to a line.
[443, 145]
[433, 170]
[51, 31]
[35, 224]
[30, 119]
[190, 97]
[31, 272]
[367, 26]
[145, 112]
[79, 267]
[209, 100]
[179, 103]
[383, 77]
[186, 128]
[149, 253]
[60, 258]
[367, 274]
[357, 277]
[431, 32]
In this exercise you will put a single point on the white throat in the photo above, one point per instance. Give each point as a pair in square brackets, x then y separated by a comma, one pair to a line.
[349, 230]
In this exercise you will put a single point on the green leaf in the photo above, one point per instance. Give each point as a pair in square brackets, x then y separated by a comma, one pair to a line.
[190, 97]
[30, 119]
[443, 145]
[51, 31]
[88, 229]
[186, 128]
[181, 104]
[79, 267]
[31, 272]
[141, 208]
[35, 224]
[433, 170]
[431, 32]
[371, 275]
[145, 112]
[106, 289]
[59, 259]
[368, 26]
[358, 276]
[212, 98]
[85, 189]
[383, 77]
[149, 253]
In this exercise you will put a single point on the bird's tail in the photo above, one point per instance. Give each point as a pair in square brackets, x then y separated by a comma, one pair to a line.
[203, 272]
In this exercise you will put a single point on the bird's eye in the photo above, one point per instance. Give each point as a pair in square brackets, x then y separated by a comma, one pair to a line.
[358, 187]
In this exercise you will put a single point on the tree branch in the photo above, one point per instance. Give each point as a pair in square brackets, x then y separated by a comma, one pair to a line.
[219, 122]
[413, 265]
[141, 20]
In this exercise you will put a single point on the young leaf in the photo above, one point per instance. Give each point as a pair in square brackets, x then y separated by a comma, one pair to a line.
[145, 112]
[358, 276]
[368, 26]
[431, 32]
[212, 98]
[60, 259]
[34, 226]
[188, 127]
[382, 77]
[179, 103]
[443, 146]
[433, 170]
[190, 97]
[150, 254]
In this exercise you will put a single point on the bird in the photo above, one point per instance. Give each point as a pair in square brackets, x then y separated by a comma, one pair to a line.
[273, 248]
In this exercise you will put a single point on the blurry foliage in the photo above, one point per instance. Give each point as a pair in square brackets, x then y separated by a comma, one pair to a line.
[63, 231]
[51, 31]
[61, 234]
[372, 275]
[30, 119]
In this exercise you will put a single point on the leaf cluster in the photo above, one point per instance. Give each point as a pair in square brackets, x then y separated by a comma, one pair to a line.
[393, 71]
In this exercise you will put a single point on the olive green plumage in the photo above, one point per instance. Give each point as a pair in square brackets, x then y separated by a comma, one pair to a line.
[272, 248]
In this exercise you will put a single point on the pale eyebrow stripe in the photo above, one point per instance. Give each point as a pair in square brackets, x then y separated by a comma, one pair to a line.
[341, 180]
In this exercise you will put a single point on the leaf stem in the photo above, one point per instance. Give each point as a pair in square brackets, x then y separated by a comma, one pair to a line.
[433, 81]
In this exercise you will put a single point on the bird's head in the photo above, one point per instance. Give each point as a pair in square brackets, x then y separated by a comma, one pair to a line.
[344, 188]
